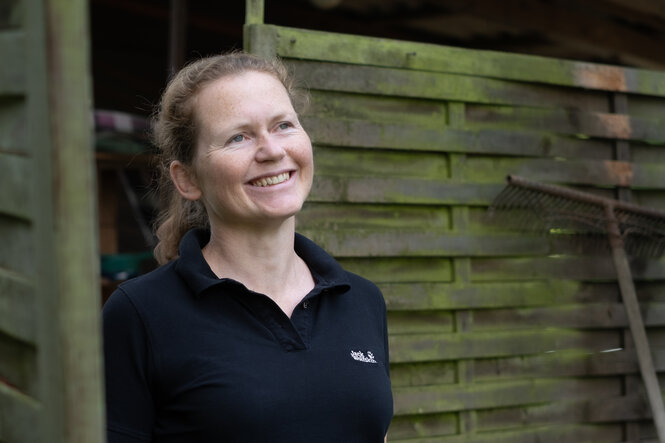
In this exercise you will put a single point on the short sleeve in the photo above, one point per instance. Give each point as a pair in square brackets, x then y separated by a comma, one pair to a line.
[129, 400]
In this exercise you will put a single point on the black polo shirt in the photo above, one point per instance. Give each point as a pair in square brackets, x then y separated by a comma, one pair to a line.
[194, 358]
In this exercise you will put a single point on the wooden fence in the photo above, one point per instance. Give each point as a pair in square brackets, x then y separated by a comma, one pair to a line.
[495, 336]
[50, 360]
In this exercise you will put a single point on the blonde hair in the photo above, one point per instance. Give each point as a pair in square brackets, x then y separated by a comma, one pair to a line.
[175, 134]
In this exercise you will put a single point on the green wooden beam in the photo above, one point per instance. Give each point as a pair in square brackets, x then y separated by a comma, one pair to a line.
[254, 12]
[12, 68]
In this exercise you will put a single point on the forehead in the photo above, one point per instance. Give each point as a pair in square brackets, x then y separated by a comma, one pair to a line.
[232, 93]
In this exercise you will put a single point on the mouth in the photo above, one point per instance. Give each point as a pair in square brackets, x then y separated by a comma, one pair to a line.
[271, 180]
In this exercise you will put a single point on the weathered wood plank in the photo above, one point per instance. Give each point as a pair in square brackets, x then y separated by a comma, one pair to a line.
[339, 216]
[369, 162]
[431, 399]
[416, 243]
[434, 86]
[377, 109]
[565, 363]
[566, 121]
[17, 307]
[483, 169]
[12, 69]
[412, 426]
[19, 418]
[316, 45]
[579, 172]
[429, 347]
[423, 373]
[18, 366]
[11, 15]
[430, 296]
[395, 269]
[602, 410]
[17, 251]
[534, 434]
[420, 322]
[583, 316]
[572, 268]
[328, 188]
[15, 198]
[13, 126]
[338, 131]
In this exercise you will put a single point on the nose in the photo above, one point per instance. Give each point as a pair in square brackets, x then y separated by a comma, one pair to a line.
[270, 148]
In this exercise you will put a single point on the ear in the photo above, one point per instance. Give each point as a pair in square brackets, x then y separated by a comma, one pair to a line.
[184, 181]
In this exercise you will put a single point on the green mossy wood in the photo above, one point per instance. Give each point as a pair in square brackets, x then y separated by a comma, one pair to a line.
[50, 359]
[495, 336]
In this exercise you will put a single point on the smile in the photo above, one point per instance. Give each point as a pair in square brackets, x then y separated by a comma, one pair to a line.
[270, 181]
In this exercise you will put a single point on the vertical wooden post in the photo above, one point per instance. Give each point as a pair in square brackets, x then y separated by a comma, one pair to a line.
[67, 280]
[258, 39]
[467, 420]
[254, 12]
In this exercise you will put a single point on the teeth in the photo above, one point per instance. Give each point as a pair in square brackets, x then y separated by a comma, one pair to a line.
[271, 180]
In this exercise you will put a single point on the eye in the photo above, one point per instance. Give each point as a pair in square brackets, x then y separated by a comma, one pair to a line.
[284, 125]
[237, 138]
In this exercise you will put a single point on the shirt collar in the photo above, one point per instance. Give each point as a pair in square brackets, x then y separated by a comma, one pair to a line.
[194, 270]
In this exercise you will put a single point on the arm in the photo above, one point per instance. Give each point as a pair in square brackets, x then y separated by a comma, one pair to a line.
[129, 403]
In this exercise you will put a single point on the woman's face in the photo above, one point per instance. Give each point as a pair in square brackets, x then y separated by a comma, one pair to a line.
[253, 162]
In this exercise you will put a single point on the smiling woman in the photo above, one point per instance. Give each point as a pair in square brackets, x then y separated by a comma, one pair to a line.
[248, 332]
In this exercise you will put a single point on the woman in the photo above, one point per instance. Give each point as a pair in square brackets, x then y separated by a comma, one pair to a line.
[248, 332]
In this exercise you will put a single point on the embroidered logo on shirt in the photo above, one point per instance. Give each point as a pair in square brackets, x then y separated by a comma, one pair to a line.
[359, 356]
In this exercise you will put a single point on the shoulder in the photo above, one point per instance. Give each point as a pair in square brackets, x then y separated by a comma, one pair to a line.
[366, 290]
[147, 292]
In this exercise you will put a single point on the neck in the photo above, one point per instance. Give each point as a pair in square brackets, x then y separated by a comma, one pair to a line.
[264, 260]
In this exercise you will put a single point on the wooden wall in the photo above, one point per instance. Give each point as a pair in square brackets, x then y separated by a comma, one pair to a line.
[50, 360]
[495, 336]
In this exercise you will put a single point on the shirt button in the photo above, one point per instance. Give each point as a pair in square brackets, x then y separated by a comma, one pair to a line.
[305, 304]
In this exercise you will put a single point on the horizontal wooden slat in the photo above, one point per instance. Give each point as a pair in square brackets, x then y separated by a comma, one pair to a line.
[364, 163]
[17, 251]
[423, 373]
[19, 417]
[371, 162]
[367, 243]
[434, 86]
[396, 269]
[12, 69]
[12, 14]
[533, 434]
[15, 198]
[316, 45]
[337, 216]
[420, 322]
[562, 121]
[592, 410]
[429, 296]
[580, 172]
[412, 426]
[17, 307]
[430, 399]
[327, 188]
[354, 133]
[431, 347]
[13, 134]
[18, 365]
[572, 268]
[565, 363]
[584, 316]
[377, 109]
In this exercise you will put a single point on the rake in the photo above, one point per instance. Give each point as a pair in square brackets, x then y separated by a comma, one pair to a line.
[613, 226]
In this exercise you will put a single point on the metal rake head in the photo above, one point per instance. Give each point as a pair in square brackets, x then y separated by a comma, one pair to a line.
[578, 218]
